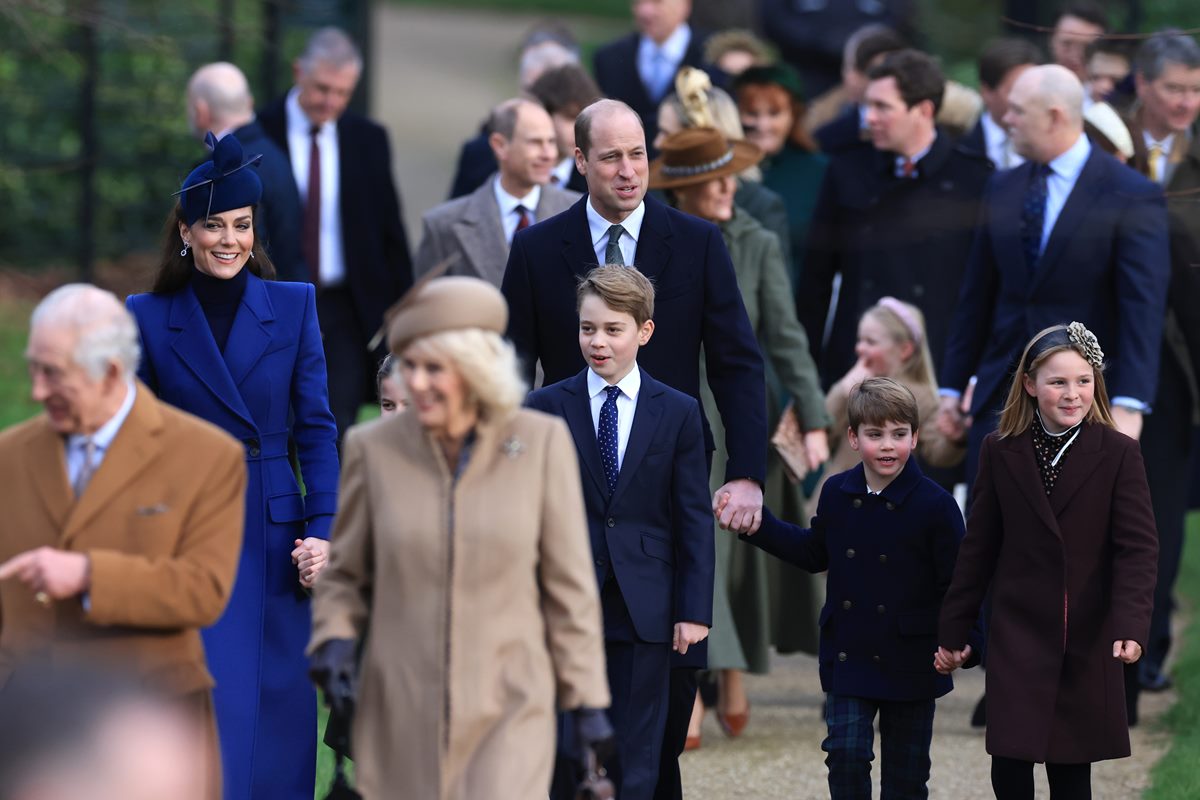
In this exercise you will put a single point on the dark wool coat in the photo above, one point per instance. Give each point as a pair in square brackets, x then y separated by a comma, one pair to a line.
[1070, 574]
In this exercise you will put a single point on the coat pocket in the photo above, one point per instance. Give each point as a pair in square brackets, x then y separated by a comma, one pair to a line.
[658, 548]
[286, 508]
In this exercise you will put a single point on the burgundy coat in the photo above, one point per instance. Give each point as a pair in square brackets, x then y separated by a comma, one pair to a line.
[1070, 574]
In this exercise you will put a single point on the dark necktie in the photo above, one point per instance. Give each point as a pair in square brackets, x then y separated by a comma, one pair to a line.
[606, 433]
[522, 217]
[312, 211]
[908, 168]
[1033, 216]
[612, 253]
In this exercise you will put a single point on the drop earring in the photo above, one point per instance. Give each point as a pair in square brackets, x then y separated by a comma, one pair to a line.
[184, 251]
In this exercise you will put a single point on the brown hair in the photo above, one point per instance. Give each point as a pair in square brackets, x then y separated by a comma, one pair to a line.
[1018, 413]
[623, 289]
[567, 90]
[878, 401]
[918, 77]
[799, 136]
[175, 270]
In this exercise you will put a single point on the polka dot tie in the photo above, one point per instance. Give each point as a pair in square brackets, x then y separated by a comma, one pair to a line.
[1033, 216]
[607, 435]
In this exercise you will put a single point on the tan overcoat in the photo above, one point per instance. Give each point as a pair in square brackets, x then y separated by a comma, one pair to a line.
[477, 600]
[161, 521]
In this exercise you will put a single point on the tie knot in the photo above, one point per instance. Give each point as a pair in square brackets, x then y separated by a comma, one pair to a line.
[314, 131]
[614, 232]
[1044, 171]
[613, 393]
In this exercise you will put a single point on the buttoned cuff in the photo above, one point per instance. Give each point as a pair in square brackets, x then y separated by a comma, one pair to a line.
[1132, 404]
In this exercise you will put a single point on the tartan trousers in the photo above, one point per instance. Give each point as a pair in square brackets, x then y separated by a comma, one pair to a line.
[905, 732]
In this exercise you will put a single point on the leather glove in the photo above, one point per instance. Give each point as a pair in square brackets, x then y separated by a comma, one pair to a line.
[594, 732]
[334, 668]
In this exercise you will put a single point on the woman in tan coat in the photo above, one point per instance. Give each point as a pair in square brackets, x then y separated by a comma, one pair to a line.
[460, 562]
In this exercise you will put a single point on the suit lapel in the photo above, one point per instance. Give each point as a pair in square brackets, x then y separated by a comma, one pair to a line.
[196, 348]
[646, 416]
[1079, 202]
[1078, 466]
[1022, 466]
[578, 253]
[1005, 209]
[46, 462]
[481, 235]
[134, 450]
[577, 409]
[654, 243]
[250, 335]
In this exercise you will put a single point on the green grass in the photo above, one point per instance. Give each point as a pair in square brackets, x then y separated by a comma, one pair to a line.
[15, 404]
[1177, 776]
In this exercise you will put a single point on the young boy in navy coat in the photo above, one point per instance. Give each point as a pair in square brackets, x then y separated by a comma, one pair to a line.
[888, 537]
[645, 485]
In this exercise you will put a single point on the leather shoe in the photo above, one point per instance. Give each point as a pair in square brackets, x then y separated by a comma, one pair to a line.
[734, 724]
[691, 743]
[1158, 682]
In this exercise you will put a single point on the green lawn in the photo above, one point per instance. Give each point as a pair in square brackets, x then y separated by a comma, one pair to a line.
[15, 404]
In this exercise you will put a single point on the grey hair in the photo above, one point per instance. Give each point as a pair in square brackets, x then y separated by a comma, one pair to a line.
[330, 46]
[486, 362]
[106, 332]
[1166, 47]
[541, 57]
[503, 119]
[223, 88]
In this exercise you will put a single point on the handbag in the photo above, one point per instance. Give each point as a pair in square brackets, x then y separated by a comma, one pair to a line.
[595, 784]
[788, 441]
[337, 739]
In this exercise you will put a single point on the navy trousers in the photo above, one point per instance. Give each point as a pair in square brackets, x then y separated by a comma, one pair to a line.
[905, 732]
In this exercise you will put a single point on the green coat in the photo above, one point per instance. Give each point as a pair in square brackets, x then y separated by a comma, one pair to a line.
[760, 601]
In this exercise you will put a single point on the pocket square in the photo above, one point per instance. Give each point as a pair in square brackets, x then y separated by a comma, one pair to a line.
[149, 511]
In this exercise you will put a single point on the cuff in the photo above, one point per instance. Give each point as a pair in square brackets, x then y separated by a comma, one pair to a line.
[1132, 404]
[949, 393]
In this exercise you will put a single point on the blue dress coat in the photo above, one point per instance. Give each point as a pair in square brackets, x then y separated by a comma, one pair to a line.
[268, 387]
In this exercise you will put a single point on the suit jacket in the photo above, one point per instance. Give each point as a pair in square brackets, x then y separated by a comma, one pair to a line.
[161, 521]
[890, 558]
[279, 214]
[378, 267]
[477, 162]
[470, 228]
[616, 70]
[655, 533]
[1069, 575]
[1106, 264]
[697, 303]
[908, 238]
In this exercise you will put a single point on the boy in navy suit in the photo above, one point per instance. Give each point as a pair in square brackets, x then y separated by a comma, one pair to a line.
[888, 537]
[644, 473]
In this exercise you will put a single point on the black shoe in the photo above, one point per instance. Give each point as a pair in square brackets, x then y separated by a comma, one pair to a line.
[979, 715]
[1158, 682]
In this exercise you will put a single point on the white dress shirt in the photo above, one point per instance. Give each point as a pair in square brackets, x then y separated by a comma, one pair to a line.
[560, 176]
[999, 145]
[1160, 168]
[333, 256]
[630, 385]
[1064, 172]
[598, 227]
[671, 52]
[509, 218]
[102, 439]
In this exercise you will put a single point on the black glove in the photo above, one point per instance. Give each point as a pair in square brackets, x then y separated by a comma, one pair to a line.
[334, 668]
[593, 732]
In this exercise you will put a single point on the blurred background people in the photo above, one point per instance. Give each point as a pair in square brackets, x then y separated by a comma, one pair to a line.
[393, 397]
[564, 92]
[1000, 64]
[1107, 65]
[1105, 129]
[219, 101]
[734, 50]
[223, 341]
[352, 234]
[1077, 26]
[839, 120]
[476, 614]
[475, 231]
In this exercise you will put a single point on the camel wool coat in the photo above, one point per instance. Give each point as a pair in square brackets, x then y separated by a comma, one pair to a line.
[1070, 574]
[476, 600]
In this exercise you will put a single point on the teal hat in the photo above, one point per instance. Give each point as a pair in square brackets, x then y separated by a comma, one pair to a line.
[779, 74]
[221, 183]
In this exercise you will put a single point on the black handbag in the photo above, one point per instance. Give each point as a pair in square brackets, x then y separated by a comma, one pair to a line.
[595, 784]
[337, 739]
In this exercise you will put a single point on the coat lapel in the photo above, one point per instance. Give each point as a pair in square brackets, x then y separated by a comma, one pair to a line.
[46, 462]
[134, 450]
[654, 243]
[1022, 466]
[1083, 194]
[249, 337]
[577, 408]
[481, 235]
[196, 348]
[578, 253]
[1078, 466]
[1005, 209]
[646, 417]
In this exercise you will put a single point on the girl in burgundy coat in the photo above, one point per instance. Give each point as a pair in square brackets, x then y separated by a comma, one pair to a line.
[1062, 531]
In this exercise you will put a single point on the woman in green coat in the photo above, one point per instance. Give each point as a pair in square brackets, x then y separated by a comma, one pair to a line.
[751, 608]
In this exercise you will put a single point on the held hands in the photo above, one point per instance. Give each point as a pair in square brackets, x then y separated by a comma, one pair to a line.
[1127, 650]
[49, 573]
[946, 661]
[310, 557]
[686, 635]
[1128, 421]
[738, 506]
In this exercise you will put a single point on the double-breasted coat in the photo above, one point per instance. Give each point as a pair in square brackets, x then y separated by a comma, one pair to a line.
[268, 387]
[473, 592]
[161, 523]
[1070, 574]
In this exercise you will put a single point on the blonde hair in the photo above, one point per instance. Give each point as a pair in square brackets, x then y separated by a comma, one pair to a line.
[1018, 413]
[904, 322]
[487, 364]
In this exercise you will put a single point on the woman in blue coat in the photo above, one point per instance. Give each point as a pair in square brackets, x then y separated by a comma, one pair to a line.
[245, 353]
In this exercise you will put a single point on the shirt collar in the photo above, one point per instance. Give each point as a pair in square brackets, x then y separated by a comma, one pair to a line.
[1165, 142]
[598, 226]
[1070, 164]
[297, 120]
[630, 385]
[508, 203]
[993, 131]
[105, 434]
[916, 159]
[673, 49]
[896, 491]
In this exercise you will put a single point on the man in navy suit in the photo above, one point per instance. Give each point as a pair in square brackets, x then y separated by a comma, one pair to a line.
[641, 455]
[351, 234]
[698, 305]
[1072, 234]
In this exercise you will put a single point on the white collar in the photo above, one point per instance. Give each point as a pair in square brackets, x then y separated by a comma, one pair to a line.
[297, 120]
[673, 49]
[1164, 143]
[508, 204]
[598, 226]
[630, 385]
[1070, 163]
[992, 130]
[105, 434]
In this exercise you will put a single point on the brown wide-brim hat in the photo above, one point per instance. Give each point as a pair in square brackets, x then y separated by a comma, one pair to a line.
[697, 155]
[446, 304]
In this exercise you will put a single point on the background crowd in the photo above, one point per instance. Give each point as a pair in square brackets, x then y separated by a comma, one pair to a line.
[869, 218]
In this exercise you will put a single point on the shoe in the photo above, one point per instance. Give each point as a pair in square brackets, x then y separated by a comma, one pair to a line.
[979, 715]
[734, 724]
[691, 743]
[1158, 682]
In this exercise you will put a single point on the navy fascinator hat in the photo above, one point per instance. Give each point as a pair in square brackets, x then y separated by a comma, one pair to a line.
[221, 183]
